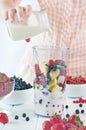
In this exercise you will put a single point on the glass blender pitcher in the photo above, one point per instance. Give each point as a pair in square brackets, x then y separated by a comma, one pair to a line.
[49, 79]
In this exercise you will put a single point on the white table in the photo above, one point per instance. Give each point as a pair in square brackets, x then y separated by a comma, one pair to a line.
[35, 123]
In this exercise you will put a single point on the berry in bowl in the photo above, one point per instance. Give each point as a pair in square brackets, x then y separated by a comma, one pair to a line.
[75, 87]
[6, 86]
[22, 92]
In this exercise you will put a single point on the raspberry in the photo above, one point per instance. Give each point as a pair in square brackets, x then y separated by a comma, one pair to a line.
[3, 118]
[51, 62]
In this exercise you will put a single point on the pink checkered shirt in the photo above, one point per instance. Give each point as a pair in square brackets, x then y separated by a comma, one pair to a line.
[68, 19]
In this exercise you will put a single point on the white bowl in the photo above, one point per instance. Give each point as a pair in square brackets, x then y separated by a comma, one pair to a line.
[19, 97]
[75, 90]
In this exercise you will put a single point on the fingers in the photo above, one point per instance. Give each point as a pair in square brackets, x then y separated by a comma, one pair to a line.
[6, 15]
[10, 15]
[28, 10]
[21, 12]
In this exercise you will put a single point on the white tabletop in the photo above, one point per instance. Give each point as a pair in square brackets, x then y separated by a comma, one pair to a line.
[35, 122]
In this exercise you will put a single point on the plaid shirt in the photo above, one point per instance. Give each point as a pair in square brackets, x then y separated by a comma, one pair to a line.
[68, 19]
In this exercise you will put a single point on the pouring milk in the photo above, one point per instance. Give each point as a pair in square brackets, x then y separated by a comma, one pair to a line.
[32, 26]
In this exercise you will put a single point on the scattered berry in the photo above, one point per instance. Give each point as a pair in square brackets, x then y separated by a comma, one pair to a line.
[16, 117]
[77, 111]
[66, 106]
[27, 118]
[24, 115]
[80, 105]
[67, 115]
[82, 111]
[3, 118]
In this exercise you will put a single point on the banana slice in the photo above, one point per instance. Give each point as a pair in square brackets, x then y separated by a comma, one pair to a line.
[52, 86]
[54, 74]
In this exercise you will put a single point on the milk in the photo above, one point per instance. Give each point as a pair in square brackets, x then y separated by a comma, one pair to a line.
[32, 26]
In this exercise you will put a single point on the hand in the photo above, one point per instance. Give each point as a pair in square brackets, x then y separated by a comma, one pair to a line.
[20, 12]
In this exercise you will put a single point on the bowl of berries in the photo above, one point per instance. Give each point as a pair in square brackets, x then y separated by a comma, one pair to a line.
[22, 92]
[75, 87]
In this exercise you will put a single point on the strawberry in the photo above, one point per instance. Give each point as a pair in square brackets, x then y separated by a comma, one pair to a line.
[71, 129]
[51, 62]
[37, 69]
[58, 126]
[3, 118]
[82, 128]
[72, 126]
[55, 119]
[74, 119]
[46, 125]
[58, 61]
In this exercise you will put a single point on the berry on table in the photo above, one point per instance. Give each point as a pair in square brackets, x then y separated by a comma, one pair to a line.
[3, 118]
[27, 118]
[80, 105]
[16, 117]
[77, 111]
[24, 115]
[82, 111]
[67, 115]
[66, 106]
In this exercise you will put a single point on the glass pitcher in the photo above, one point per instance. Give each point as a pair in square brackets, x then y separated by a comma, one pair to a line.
[49, 79]
[32, 26]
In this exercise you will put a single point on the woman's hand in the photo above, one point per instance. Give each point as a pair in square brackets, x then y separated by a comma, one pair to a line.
[21, 12]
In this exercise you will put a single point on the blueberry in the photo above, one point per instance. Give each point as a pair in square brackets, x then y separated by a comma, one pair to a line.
[77, 111]
[80, 105]
[66, 106]
[16, 117]
[27, 118]
[67, 115]
[82, 111]
[24, 115]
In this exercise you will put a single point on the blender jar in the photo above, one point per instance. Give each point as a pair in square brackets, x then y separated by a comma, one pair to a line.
[49, 79]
